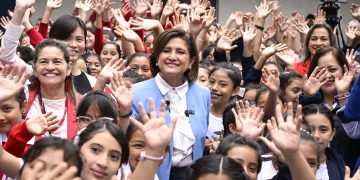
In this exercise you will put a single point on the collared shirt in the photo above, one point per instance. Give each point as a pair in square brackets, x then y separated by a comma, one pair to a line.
[183, 136]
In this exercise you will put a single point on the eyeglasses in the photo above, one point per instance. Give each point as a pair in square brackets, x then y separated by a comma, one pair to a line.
[88, 120]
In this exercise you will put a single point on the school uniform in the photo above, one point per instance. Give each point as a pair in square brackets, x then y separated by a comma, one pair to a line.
[193, 138]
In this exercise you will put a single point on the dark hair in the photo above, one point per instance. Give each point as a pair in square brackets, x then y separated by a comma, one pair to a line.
[132, 56]
[162, 41]
[104, 103]
[88, 54]
[319, 109]
[25, 53]
[207, 51]
[64, 26]
[61, 46]
[306, 136]
[286, 78]
[110, 34]
[117, 46]
[280, 69]
[310, 16]
[102, 125]
[231, 71]
[259, 92]
[228, 117]
[235, 140]
[306, 51]
[216, 164]
[133, 76]
[339, 56]
[71, 152]
[206, 64]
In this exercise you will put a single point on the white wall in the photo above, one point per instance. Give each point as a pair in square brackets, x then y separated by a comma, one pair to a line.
[224, 9]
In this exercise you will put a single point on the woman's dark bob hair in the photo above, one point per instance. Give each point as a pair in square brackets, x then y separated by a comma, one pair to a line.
[71, 152]
[64, 26]
[190, 74]
[106, 125]
[216, 164]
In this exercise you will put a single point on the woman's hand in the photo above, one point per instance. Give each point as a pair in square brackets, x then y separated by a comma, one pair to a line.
[144, 24]
[122, 93]
[263, 10]
[209, 17]
[4, 21]
[169, 8]
[248, 120]
[351, 55]
[157, 134]
[271, 50]
[343, 85]
[156, 8]
[53, 4]
[248, 34]
[126, 33]
[286, 134]
[273, 149]
[320, 17]
[40, 124]
[317, 79]
[12, 82]
[117, 13]
[98, 7]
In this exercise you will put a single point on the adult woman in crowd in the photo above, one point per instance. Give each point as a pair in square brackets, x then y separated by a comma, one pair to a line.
[319, 36]
[174, 63]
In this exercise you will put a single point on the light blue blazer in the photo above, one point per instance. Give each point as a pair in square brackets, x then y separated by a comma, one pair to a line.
[197, 99]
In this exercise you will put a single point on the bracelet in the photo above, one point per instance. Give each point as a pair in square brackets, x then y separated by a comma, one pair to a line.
[143, 156]
[259, 27]
[126, 115]
[344, 96]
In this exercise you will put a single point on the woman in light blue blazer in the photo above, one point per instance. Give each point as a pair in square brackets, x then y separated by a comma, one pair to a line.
[174, 62]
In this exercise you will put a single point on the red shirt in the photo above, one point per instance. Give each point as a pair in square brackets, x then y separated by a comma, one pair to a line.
[302, 68]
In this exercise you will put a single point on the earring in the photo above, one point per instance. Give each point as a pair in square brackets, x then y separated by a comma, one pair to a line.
[156, 64]
[189, 67]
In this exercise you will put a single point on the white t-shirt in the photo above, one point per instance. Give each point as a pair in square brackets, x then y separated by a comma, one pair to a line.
[215, 126]
[322, 172]
[127, 170]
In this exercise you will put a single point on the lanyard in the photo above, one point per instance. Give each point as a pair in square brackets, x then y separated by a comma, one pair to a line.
[44, 112]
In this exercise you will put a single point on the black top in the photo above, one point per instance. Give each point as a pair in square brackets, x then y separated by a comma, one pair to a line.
[82, 84]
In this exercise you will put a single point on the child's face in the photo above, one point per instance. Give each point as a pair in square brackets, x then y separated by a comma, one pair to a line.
[221, 87]
[247, 157]
[263, 98]
[308, 149]
[102, 155]
[136, 145]
[293, 90]
[321, 129]
[141, 65]
[50, 158]
[10, 114]
[203, 77]
[90, 116]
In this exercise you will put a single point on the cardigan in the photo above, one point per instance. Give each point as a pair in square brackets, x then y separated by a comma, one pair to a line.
[198, 100]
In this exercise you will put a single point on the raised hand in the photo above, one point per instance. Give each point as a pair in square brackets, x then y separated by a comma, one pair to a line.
[196, 22]
[355, 11]
[145, 24]
[271, 145]
[120, 18]
[343, 85]
[238, 17]
[40, 124]
[141, 6]
[350, 33]
[288, 56]
[276, 13]
[54, 4]
[12, 82]
[303, 29]
[263, 10]
[156, 8]
[271, 50]
[201, 7]
[286, 134]
[98, 6]
[126, 33]
[248, 33]
[61, 171]
[157, 134]
[125, 9]
[317, 79]
[320, 17]
[270, 80]
[283, 23]
[225, 41]
[123, 94]
[113, 66]
[169, 8]
[350, 55]
[209, 17]
[180, 22]
[248, 120]
[4, 21]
